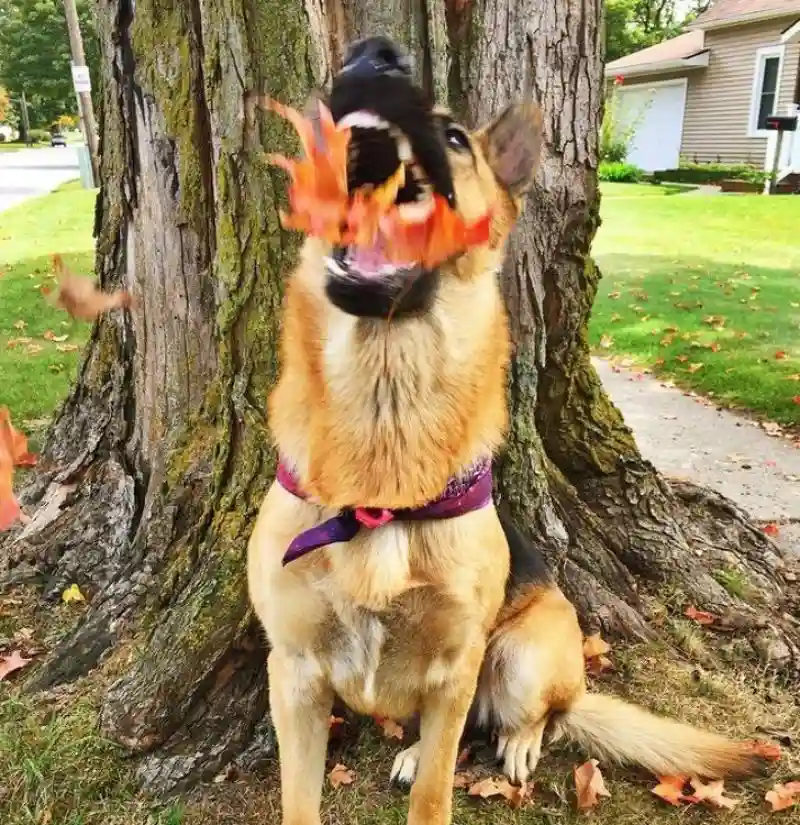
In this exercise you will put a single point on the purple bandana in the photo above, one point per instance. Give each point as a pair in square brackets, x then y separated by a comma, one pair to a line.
[462, 495]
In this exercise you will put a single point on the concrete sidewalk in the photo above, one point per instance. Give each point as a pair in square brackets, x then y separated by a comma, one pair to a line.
[684, 437]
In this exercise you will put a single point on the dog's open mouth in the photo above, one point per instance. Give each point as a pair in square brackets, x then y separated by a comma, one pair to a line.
[382, 170]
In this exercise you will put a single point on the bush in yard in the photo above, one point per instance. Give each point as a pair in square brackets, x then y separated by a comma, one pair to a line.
[619, 172]
[711, 173]
[39, 136]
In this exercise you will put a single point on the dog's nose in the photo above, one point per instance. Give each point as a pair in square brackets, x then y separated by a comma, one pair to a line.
[375, 56]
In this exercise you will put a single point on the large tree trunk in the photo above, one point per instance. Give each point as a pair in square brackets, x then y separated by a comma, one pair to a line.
[155, 465]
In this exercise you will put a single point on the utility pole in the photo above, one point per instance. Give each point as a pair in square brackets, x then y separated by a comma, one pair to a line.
[26, 123]
[83, 90]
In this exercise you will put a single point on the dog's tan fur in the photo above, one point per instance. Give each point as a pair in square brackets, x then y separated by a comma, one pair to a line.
[412, 617]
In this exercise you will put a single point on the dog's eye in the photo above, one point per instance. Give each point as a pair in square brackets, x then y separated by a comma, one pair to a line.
[457, 139]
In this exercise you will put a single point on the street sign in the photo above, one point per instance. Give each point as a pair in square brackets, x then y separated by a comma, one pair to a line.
[80, 79]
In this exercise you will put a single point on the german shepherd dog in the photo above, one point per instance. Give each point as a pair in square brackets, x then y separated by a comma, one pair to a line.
[378, 565]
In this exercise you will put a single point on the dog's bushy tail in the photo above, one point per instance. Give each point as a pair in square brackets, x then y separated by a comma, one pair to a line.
[610, 728]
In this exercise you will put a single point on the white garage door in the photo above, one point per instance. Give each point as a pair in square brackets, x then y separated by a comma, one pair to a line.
[657, 113]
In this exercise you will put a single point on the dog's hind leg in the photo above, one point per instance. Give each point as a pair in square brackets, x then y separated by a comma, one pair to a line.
[533, 667]
[300, 703]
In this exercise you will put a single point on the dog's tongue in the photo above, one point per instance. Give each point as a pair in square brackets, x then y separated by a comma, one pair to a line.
[372, 261]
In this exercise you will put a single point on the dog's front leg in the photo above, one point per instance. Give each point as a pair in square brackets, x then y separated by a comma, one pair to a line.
[300, 702]
[441, 723]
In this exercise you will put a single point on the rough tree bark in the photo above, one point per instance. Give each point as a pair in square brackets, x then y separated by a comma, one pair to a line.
[156, 463]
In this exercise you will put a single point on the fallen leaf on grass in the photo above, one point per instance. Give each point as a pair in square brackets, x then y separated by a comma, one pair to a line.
[391, 730]
[694, 367]
[795, 377]
[667, 340]
[595, 645]
[783, 797]
[81, 298]
[682, 358]
[72, 595]
[614, 295]
[12, 662]
[699, 616]
[20, 325]
[796, 400]
[51, 336]
[606, 341]
[67, 347]
[780, 355]
[670, 789]
[341, 775]
[615, 317]
[598, 665]
[589, 785]
[33, 349]
[771, 529]
[713, 793]
[17, 342]
[500, 786]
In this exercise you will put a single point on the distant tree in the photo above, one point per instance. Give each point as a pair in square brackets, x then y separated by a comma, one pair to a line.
[5, 104]
[35, 55]
[635, 24]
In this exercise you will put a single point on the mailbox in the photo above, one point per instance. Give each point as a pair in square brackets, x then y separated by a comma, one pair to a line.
[776, 123]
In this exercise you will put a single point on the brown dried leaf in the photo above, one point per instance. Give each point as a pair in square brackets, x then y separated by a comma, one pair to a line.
[500, 786]
[341, 775]
[589, 785]
[81, 298]
[12, 662]
[595, 645]
[391, 730]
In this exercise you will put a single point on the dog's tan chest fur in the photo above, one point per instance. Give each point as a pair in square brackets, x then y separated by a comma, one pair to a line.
[384, 618]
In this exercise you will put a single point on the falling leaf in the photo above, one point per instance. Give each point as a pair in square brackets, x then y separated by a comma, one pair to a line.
[341, 775]
[12, 662]
[783, 797]
[771, 529]
[72, 594]
[81, 298]
[780, 355]
[614, 295]
[500, 786]
[13, 453]
[589, 784]
[712, 793]
[699, 616]
[606, 341]
[595, 645]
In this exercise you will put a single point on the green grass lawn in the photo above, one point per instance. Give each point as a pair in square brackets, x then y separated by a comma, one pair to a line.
[705, 290]
[36, 371]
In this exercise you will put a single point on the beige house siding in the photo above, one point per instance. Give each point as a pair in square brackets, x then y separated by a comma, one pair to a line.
[718, 100]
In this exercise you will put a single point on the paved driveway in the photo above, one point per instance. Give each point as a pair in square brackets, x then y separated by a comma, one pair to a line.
[30, 172]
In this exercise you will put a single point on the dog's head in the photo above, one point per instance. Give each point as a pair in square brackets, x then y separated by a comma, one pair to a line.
[392, 121]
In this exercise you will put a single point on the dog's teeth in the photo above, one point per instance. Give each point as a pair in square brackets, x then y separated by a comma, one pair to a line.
[363, 120]
[334, 266]
[404, 151]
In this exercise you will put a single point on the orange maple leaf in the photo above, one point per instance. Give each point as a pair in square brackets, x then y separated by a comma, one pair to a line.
[13, 661]
[589, 784]
[671, 789]
[322, 206]
[712, 793]
[783, 797]
[13, 453]
[699, 616]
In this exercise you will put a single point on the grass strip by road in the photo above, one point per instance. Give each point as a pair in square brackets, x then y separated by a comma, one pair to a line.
[705, 290]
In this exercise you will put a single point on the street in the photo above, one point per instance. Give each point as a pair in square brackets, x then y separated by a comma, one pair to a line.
[31, 172]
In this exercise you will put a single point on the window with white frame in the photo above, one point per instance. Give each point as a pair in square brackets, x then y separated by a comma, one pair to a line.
[766, 84]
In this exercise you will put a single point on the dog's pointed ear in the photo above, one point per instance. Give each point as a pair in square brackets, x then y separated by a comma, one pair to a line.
[513, 143]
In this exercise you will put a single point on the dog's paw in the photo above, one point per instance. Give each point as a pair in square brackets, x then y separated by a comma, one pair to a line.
[404, 769]
[519, 754]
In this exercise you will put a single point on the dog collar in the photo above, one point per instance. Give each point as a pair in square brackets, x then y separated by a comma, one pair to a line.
[469, 491]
